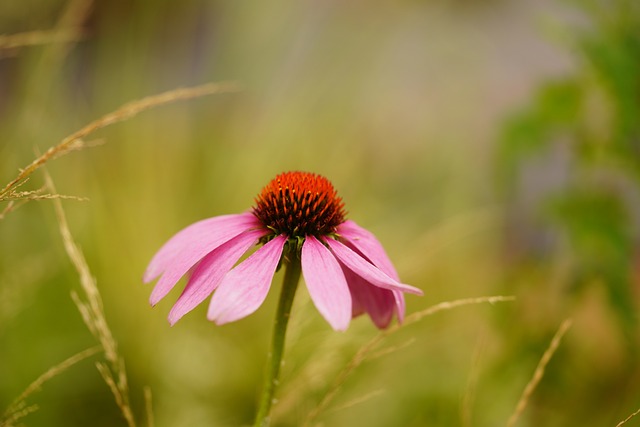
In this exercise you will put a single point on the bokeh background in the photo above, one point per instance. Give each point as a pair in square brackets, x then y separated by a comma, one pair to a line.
[493, 147]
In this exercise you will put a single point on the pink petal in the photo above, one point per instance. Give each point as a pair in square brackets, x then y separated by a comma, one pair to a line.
[363, 240]
[400, 305]
[245, 287]
[209, 273]
[368, 245]
[211, 231]
[189, 246]
[366, 270]
[379, 303]
[326, 283]
[356, 306]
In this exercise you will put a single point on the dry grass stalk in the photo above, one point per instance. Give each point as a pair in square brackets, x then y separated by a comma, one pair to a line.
[358, 400]
[38, 195]
[447, 305]
[67, 29]
[11, 206]
[364, 352]
[18, 408]
[21, 411]
[539, 373]
[74, 15]
[41, 80]
[34, 38]
[628, 418]
[74, 141]
[119, 389]
[470, 391]
[92, 312]
[66, 32]
[70, 21]
[24, 196]
[148, 406]
[391, 349]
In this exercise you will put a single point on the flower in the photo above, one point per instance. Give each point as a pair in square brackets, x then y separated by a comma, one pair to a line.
[344, 266]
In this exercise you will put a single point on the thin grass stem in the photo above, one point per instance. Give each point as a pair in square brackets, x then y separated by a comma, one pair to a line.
[539, 373]
[113, 373]
[75, 140]
[18, 408]
[365, 351]
[621, 423]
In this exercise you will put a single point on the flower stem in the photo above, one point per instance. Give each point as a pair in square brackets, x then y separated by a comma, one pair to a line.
[289, 286]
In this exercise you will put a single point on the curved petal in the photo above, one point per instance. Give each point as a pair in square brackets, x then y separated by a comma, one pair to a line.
[326, 283]
[379, 303]
[189, 246]
[208, 233]
[209, 273]
[356, 306]
[366, 270]
[364, 241]
[245, 287]
[400, 305]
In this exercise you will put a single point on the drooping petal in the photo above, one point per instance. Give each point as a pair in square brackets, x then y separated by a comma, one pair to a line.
[379, 303]
[366, 270]
[400, 305]
[209, 273]
[365, 242]
[189, 246]
[369, 245]
[326, 283]
[245, 287]
[357, 308]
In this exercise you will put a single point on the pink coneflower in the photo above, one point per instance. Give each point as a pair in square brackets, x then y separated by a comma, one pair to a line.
[297, 215]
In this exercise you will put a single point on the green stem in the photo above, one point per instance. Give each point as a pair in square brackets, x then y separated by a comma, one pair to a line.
[289, 285]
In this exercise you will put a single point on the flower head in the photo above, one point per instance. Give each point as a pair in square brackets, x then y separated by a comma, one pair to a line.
[299, 204]
[298, 214]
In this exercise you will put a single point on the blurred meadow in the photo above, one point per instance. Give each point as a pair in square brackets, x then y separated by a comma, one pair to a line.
[493, 148]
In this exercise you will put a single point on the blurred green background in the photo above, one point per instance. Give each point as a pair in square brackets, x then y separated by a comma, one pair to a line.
[493, 147]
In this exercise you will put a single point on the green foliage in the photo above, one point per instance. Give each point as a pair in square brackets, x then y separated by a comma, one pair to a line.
[602, 244]
[595, 114]
[612, 52]
[554, 111]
